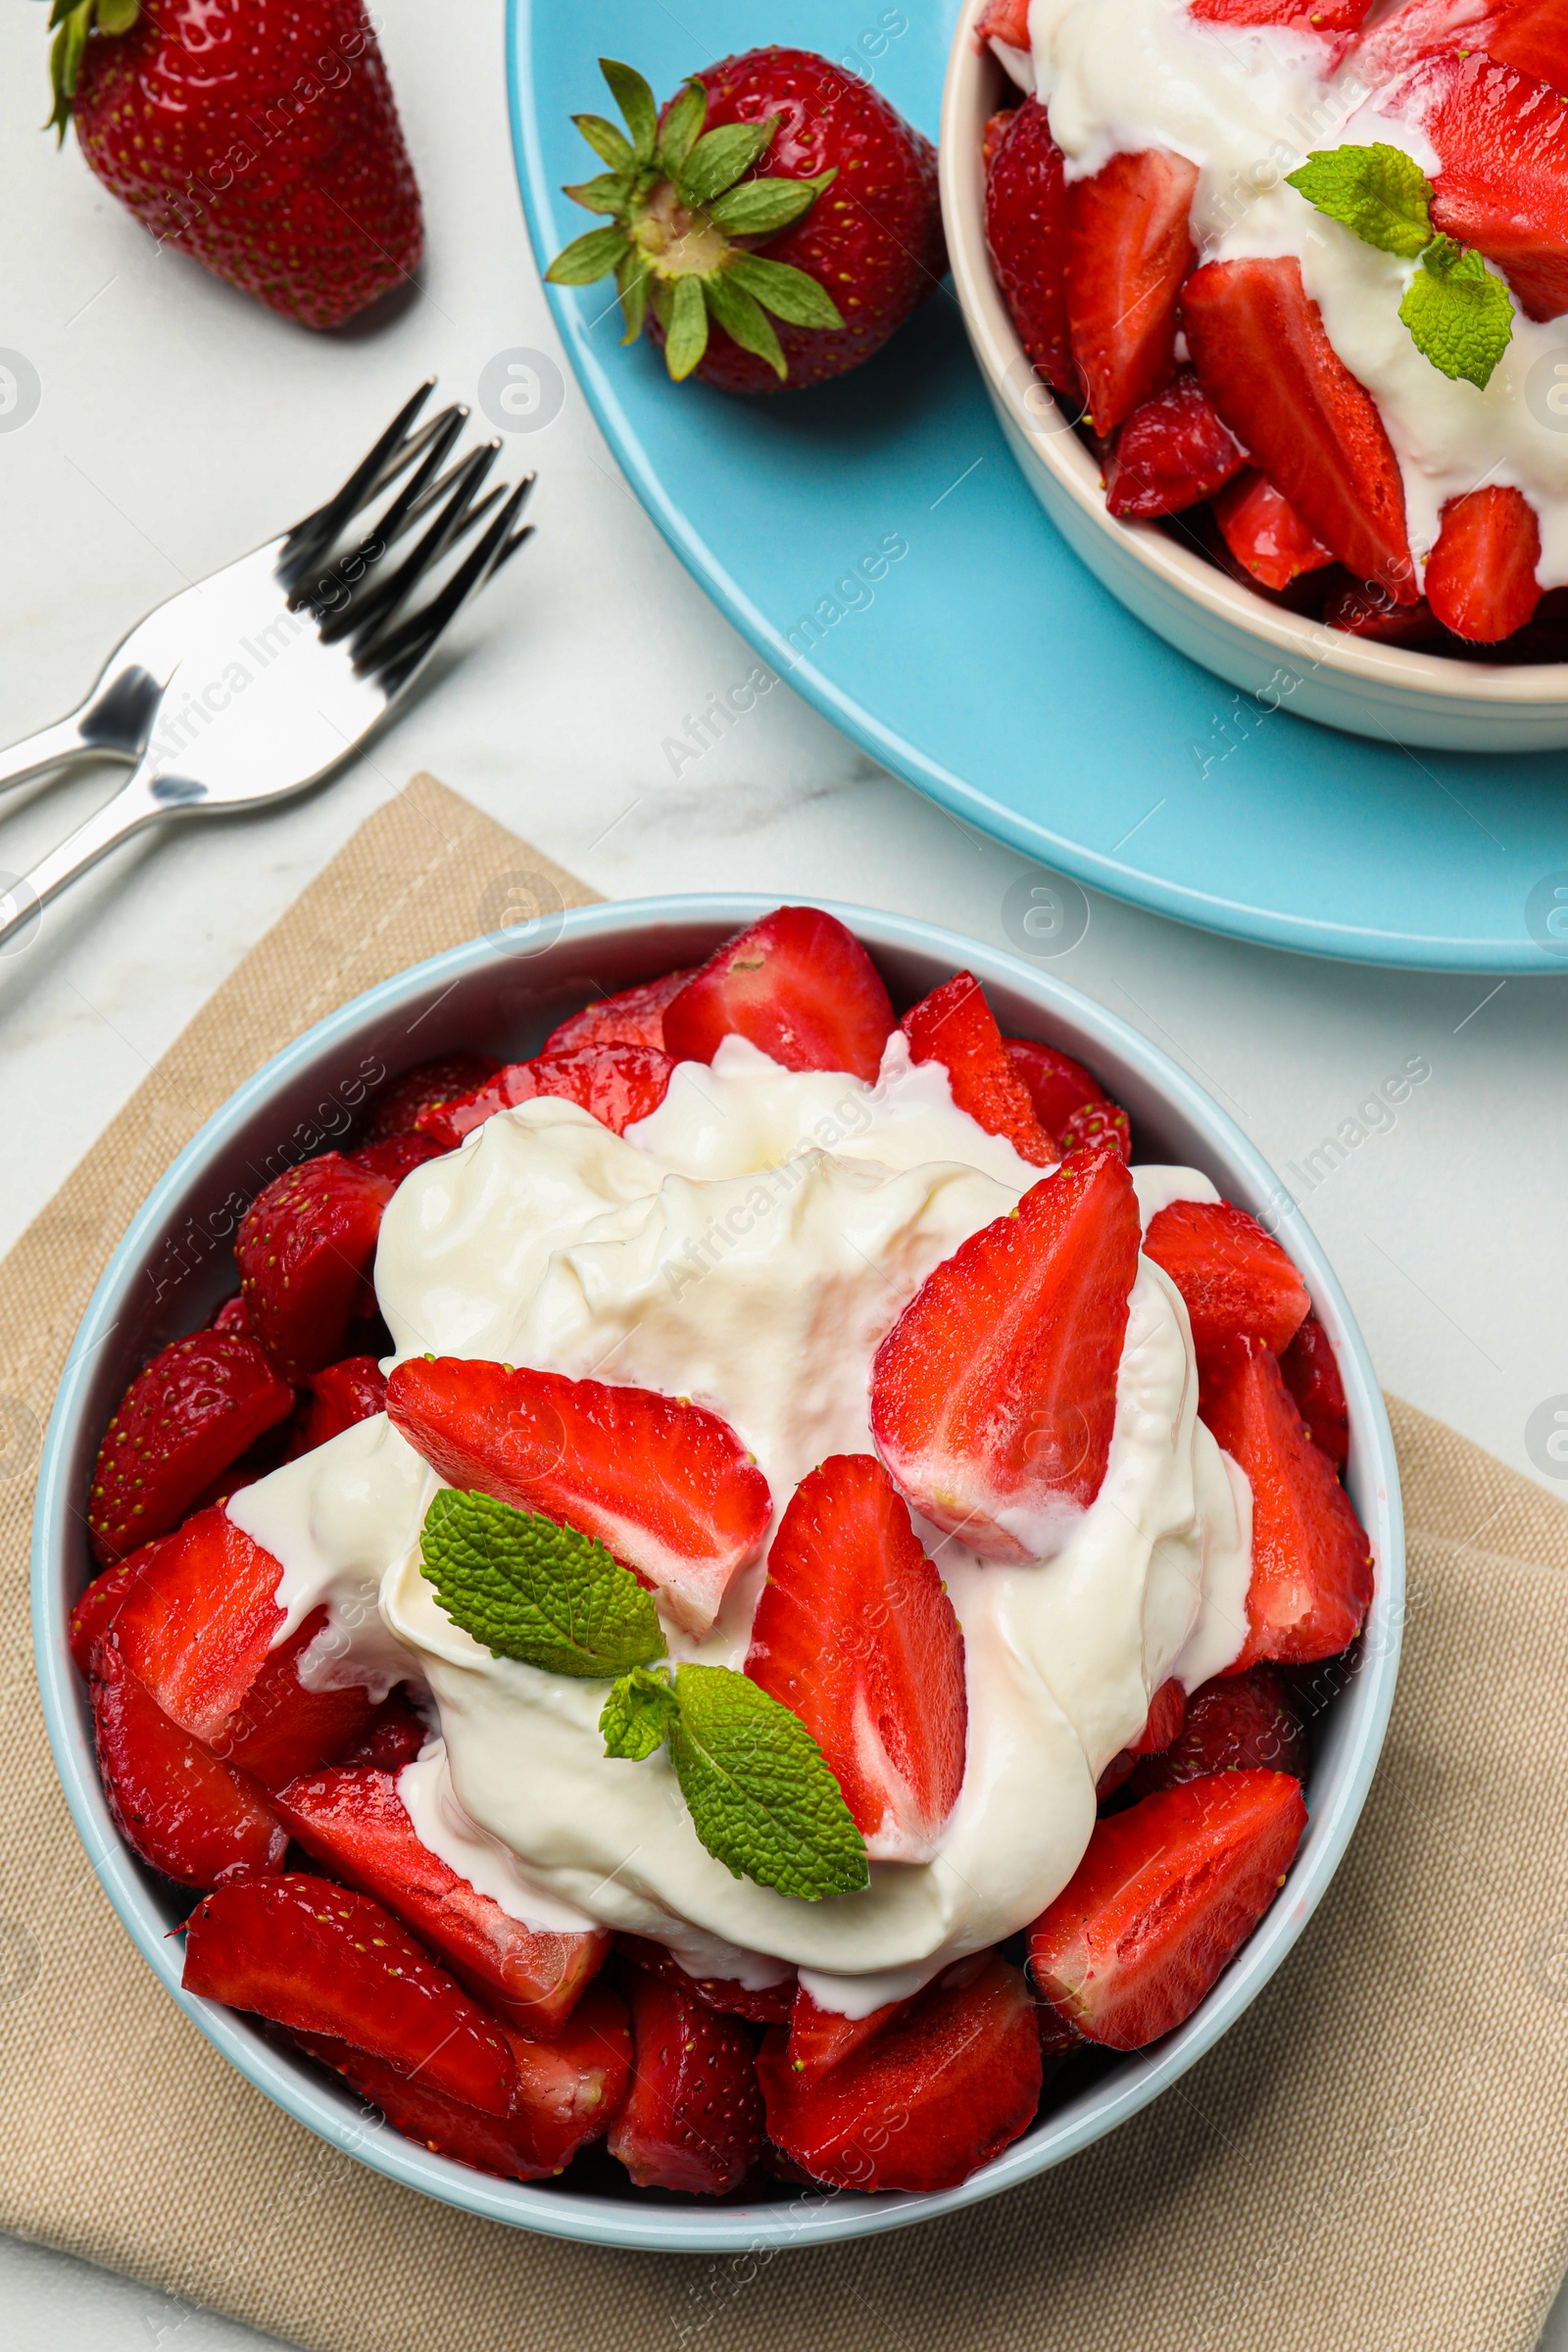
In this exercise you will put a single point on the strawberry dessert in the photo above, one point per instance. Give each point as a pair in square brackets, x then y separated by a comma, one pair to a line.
[746, 1573]
[1298, 273]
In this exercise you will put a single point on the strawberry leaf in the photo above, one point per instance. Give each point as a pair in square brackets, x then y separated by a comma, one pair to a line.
[631, 280]
[717, 161]
[639, 1715]
[529, 1589]
[790, 294]
[1458, 314]
[607, 193]
[611, 145]
[760, 207]
[588, 256]
[118, 16]
[686, 337]
[682, 125]
[744, 319]
[1379, 193]
[636, 102]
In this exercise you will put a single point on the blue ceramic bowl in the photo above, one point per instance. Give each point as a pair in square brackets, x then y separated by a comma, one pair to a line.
[504, 992]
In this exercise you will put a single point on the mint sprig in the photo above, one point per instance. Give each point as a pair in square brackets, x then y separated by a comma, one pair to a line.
[530, 1590]
[761, 1793]
[1459, 314]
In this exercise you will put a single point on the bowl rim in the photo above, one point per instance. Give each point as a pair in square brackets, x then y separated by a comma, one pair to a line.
[329, 2111]
[1021, 397]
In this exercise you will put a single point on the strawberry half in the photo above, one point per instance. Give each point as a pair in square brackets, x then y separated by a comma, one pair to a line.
[762, 2004]
[1309, 1371]
[855, 1633]
[1026, 231]
[198, 1623]
[955, 1026]
[334, 1399]
[184, 1419]
[100, 1604]
[667, 1485]
[1532, 38]
[397, 1111]
[1258, 344]
[1502, 187]
[1265, 534]
[1311, 1569]
[321, 1959]
[355, 1822]
[1057, 1085]
[798, 985]
[182, 1811]
[1481, 576]
[1235, 1279]
[633, 1016]
[615, 1084]
[1237, 1723]
[822, 2039]
[1166, 1895]
[282, 1726]
[1099, 1127]
[306, 1246]
[1172, 450]
[693, 2117]
[994, 1394]
[1128, 250]
[927, 2099]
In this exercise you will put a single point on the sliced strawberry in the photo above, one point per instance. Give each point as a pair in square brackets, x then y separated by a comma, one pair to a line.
[1532, 38]
[855, 1634]
[1481, 575]
[1172, 450]
[821, 2039]
[199, 1623]
[321, 1959]
[1128, 250]
[633, 1016]
[1004, 21]
[354, 1821]
[334, 1399]
[567, 2093]
[1166, 1895]
[282, 1727]
[1301, 16]
[615, 1084]
[762, 2004]
[1258, 344]
[1099, 1127]
[1265, 534]
[1313, 1376]
[95, 1612]
[925, 2101]
[233, 1316]
[397, 1111]
[798, 985]
[1234, 1276]
[1026, 230]
[1501, 141]
[1237, 1723]
[955, 1026]
[1371, 613]
[693, 2117]
[994, 1394]
[306, 1246]
[1311, 1569]
[396, 1157]
[184, 1418]
[667, 1485]
[1167, 1710]
[182, 1811]
[1057, 1085]
[1394, 41]
[393, 1737]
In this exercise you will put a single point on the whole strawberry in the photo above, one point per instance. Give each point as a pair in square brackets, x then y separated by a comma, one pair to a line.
[259, 136]
[749, 281]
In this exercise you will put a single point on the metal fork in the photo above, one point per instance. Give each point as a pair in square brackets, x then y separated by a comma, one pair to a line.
[251, 684]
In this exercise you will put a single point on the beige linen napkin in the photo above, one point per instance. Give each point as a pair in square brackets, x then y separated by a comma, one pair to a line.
[1374, 2157]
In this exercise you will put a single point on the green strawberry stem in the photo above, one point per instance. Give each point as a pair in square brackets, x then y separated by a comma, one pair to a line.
[678, 203]
[71, 22]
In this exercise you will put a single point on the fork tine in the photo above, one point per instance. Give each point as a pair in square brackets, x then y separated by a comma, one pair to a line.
[400, 653]
[360, 616]
[436, 438]
[317, 530]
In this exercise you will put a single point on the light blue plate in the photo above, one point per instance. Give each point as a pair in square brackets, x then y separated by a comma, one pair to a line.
[986, 666]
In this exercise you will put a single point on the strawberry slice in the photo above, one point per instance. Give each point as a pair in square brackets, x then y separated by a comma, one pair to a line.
[1311, 1373]
[1026, 231]
[99, 1605]
[633, 1016]
[1532, 38]
[1481, 575]
[1099, 1127]
[926, 2100]
[1128, 250]
[1502, 144]
[1265, 534]
[199, 1622]
[184, 1418]
[821, 2039]
[393, 1737]
[1004, 21]
[182, 1811]
[1301, 16]
[1167, 1711]
[762, 2004]
[1370, 612]
[354, 1821]
[305, 1247]
[1234, 1276]
[396, 1157]
[615, 1084]
[321, 1959]
[1166, 1895]
[1057, 1085]
[994, 1394]
[664, 1485]
[855, 1633]
[1311, 1568]
[955, 1026]
[397, 1111]
[1262, 356]
[1396, 41]
[693, 2117]
[1237, 1723]
[1172, 450]
[567, 2093]
[334, 1399]
[282, 1727]
[798, 985]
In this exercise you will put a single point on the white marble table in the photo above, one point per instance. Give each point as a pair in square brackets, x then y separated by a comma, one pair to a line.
[178, 424]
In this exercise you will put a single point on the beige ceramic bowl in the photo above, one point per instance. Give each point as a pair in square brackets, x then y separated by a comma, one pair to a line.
[1281, 657]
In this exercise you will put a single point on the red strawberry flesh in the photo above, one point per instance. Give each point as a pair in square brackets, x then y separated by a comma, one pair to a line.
[632, 1016]
[1057, 1085]
[306, 1246]
[1313, 1376]
[1234, 1277]
[1481, 575]
[1502, 186]
[799, 985]
[334, 1399]
[1172, 450]
[616, 1084]
[182, 1811]
[1128, 250]
[693, 2117]
[1265, 534]
[955, 1026]
[397, 1111]
[822, 2039]
[199, 1622]
[185, 1418]
[763, 2005]
[1237, 1723]
[283, 1726]
[1026, 230]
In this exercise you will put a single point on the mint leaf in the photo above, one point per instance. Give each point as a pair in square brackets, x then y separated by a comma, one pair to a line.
[719, 158]
[1378, 192]
[639, 1714]
[744, 319]
[1459, 315]
[635, 100]
[588, 256]
[790, 294]
[530, 1590]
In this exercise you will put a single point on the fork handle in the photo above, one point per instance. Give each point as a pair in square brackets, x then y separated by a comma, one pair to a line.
[51, 747]
[137, 804]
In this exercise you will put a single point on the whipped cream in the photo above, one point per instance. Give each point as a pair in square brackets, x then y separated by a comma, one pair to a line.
[748, 1246]
[1247, 105]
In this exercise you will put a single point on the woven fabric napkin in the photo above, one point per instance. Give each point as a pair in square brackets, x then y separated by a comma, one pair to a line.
[1375, 2156]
